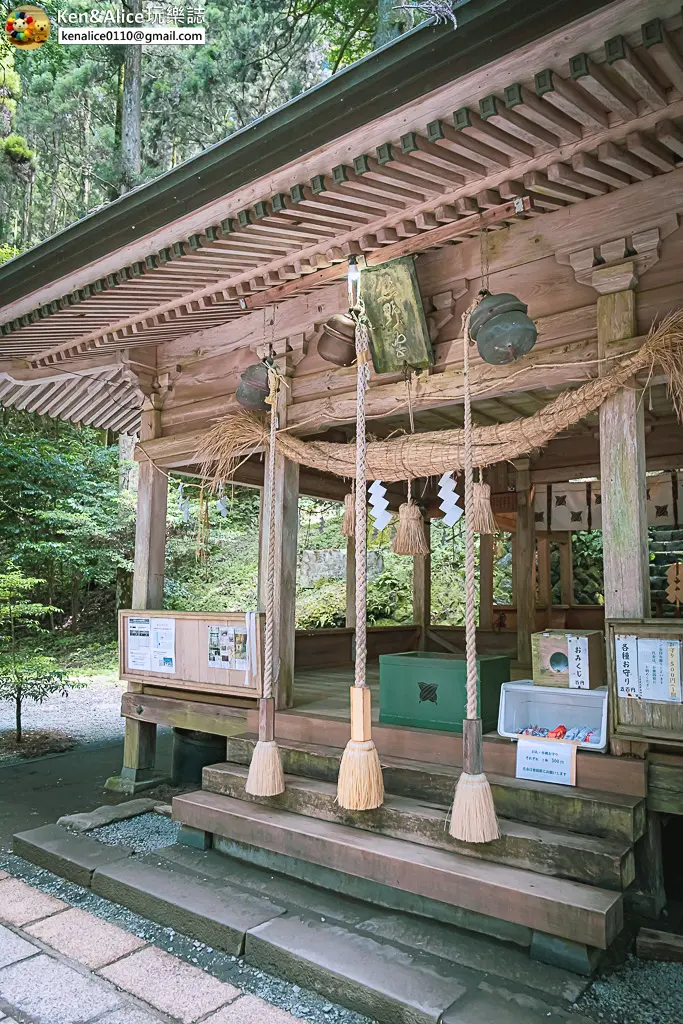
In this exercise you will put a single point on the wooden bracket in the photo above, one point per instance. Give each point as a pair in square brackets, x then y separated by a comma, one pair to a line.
[616, 265]
[443, 309]
[291, 350]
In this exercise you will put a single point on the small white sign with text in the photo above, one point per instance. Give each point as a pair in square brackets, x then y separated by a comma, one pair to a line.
[546, 761]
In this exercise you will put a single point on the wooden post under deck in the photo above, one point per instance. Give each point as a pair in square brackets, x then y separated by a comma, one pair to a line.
[286, 533]
[545, 590]
[139, 748]
[525, 563]
[422, 590]
[566, 570]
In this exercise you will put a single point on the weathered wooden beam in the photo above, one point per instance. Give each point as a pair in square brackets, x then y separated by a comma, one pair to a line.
[436, 237]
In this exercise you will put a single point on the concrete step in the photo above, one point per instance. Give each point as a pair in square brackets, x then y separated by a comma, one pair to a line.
[588, 812]
[393, 967]
[602, 862]
[408, 931]
[343, 950]
[570, 910]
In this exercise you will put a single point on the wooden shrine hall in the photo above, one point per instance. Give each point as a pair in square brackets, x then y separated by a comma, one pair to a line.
[540, 150]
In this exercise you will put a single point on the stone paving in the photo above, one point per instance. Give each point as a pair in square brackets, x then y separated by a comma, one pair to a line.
[62, 965]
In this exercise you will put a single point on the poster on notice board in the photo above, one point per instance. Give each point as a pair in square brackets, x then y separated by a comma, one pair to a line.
[151, 644]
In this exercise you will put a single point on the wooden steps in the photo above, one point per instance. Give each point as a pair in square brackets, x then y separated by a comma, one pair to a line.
[557, 907]
[602, 862]
[587, 812]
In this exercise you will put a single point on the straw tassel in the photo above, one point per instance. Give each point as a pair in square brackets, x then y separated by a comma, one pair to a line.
[410, 534]
[484, 521]
[349, 522]
[360, 785]
[473, 818]
[266, 776]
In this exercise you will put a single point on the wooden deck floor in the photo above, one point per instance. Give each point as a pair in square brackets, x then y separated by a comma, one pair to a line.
[326, 691]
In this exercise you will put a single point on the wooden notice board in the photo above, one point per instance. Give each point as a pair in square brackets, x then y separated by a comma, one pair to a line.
[204, 652]
[636, 718]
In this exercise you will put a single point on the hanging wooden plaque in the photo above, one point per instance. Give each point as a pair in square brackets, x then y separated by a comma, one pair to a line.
[399, 336]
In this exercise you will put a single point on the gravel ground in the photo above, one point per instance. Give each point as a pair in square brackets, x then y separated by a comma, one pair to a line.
[637, 992]
[90, 715]
[299, 1002]
[144, 834]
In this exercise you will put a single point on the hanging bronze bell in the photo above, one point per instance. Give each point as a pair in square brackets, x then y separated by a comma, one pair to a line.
[502, 330]
[338, 341]
[253, 388]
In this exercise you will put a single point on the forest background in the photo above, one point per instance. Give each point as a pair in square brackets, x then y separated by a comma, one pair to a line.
[80, 126]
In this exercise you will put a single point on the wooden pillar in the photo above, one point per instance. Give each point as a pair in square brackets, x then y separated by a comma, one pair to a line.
[525, 563]
[622, 476]
[566, 570]
[139, 747]
[350, 583]
[284, 583]
[545, 590]
[486, 544]
[150, 524]
[622, 472]
[422, 590]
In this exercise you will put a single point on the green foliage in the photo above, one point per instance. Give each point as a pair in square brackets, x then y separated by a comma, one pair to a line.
[24, 674]
[17, 150]
[8, 252]
[390, 593]
[61, 516]
[589, 587]
[65, 101]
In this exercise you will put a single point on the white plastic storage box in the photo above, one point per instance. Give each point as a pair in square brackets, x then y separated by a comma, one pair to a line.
[523, 704]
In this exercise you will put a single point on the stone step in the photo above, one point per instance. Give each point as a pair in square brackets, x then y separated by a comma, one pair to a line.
[410, 932]
[374, 963]
[602, 862]
[662, 558]
[570, 910]
[588, 812]
[411, 967]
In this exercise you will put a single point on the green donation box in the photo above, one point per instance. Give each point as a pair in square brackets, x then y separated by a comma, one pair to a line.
[429, 690]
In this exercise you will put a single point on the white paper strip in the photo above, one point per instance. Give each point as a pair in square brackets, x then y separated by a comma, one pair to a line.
[626, 660]
[577, 652]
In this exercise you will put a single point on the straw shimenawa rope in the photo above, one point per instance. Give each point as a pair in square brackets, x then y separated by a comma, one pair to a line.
[430, 454]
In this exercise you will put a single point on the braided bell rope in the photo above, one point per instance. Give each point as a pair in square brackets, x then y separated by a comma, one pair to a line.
[470, 597]
[362, 384]
[269, 643]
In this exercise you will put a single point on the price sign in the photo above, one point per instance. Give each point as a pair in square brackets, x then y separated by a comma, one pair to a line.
[546, 761]
[577, 653]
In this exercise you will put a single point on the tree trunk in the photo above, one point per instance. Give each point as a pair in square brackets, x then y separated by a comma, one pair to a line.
[17, 714]
[75, 601]
[26, 225]
[130, 121]
[128, 467]
[390, 22]
[51, 592]
[52, 216]
[87, 123]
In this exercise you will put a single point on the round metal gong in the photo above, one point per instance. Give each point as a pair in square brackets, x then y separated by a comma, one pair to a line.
[502, 330]
[253, 388]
